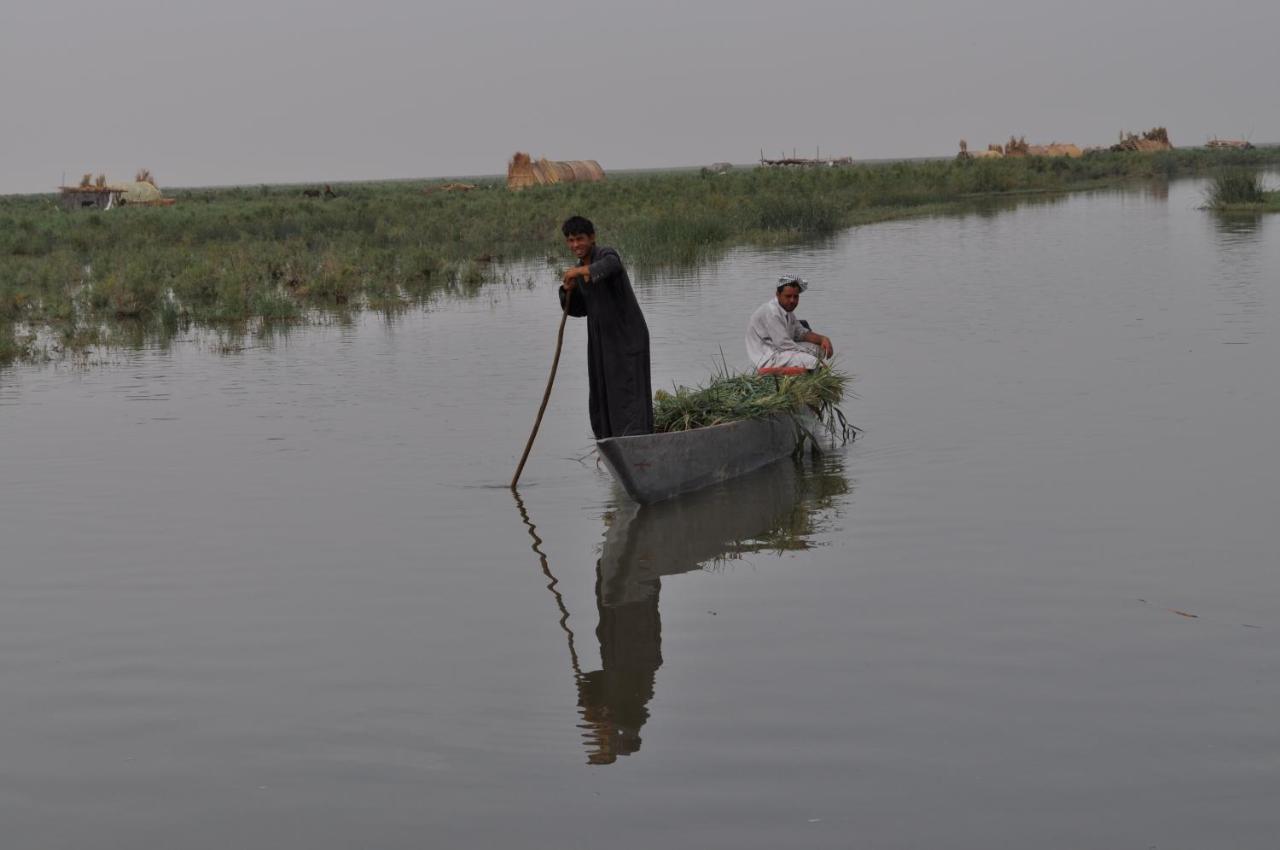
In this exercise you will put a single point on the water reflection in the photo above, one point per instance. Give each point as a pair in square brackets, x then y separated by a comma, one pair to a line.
[552, 583]
[997, 205]
[1157, 190]
[1242, 260]
[1236, 227]
[774, 510]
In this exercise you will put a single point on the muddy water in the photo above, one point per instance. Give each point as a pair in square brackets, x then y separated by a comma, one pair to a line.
[280, 597]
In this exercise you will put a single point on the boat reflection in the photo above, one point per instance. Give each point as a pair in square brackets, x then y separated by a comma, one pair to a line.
[776, 509]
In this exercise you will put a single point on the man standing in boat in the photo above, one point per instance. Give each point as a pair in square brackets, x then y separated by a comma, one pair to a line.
[598, 288]
[776, 339]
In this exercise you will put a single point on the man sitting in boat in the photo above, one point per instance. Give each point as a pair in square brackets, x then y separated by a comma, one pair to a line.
[776, 339]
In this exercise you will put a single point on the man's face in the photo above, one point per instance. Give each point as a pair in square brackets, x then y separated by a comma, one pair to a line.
[789, 298]
[580, 244]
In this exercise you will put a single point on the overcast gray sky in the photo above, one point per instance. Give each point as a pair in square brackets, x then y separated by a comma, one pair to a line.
[250, 91]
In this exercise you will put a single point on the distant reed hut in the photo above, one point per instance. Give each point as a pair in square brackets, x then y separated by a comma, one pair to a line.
[524, 171]
[1056, 149]
[90, 197]
[1229, 144]
[1155, 139]
[992, 152]
[1019, 147]
[99, 194]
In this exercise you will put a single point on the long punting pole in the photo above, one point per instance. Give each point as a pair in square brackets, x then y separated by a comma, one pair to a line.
[542, 408]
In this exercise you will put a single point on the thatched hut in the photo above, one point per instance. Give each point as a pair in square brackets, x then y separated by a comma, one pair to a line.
[1155, 139]
[1055, 149]
[1019, 147]
[1229, 144]
[138, 192]
[524, 171]
[992, 152]
[90, 197]
[99, 194]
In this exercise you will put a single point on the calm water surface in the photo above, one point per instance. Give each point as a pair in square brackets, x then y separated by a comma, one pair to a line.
[281, 598]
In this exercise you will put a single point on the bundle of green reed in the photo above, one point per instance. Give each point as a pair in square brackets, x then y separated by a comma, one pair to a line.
[734, 397]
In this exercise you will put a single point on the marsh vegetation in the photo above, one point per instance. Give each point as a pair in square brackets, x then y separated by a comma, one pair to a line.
[1241, 190]
[268, 256]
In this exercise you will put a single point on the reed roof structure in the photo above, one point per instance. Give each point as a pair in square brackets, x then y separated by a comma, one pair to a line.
[523, 171]
[1155, 139]
[1229, 144]
[102, 194]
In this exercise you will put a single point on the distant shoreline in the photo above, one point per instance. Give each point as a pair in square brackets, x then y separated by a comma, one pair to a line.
[248, 259]
[673, 169]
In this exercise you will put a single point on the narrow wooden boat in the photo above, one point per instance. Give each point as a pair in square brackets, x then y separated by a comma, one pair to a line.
[654, 467]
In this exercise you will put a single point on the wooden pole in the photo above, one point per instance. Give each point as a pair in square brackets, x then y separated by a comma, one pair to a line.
[542, 408]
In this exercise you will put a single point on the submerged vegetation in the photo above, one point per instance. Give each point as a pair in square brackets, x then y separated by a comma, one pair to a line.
[732, 397]
[268, 256]
[1241, 190]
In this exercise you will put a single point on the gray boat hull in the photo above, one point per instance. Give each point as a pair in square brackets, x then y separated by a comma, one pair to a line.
[654, 467]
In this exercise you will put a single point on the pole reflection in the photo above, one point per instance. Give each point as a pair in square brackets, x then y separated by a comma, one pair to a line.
[552, 583]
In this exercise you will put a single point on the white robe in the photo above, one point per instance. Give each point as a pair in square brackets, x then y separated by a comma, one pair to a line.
[775, 338]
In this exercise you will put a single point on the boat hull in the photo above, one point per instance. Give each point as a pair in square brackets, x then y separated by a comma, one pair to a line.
[654, 467]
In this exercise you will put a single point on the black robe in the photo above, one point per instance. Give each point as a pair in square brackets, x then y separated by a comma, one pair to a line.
[621, 399]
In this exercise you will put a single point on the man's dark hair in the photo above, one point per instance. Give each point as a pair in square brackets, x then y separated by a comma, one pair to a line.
[577, 225]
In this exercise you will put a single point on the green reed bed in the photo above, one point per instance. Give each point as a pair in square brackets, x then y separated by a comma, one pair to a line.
[269, 255]
[1241, 190]
[730, 397]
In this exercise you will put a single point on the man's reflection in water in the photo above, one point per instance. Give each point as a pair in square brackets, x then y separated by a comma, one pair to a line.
[776, 509]
[614, 699]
